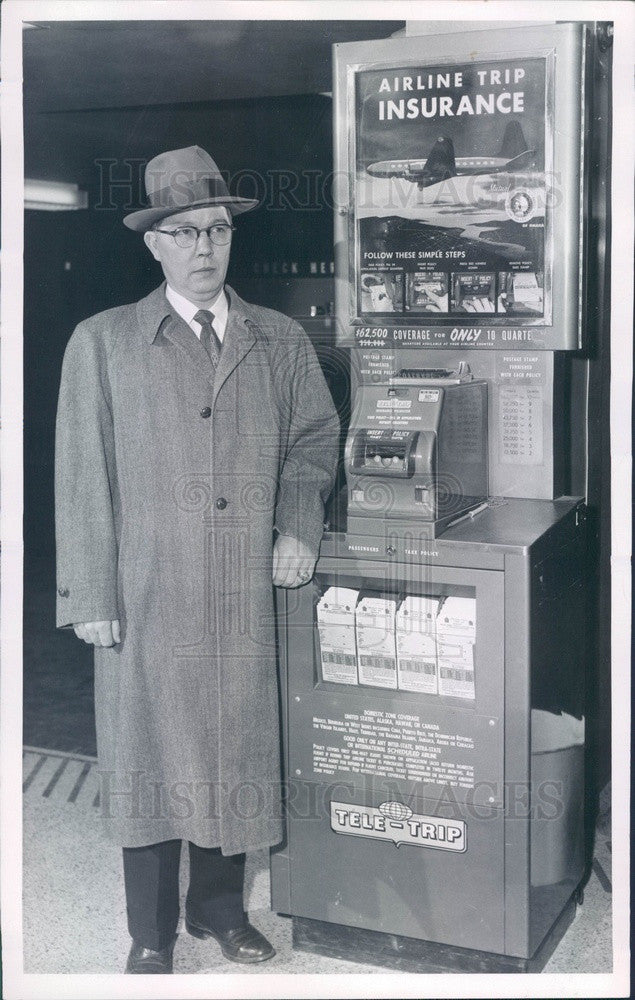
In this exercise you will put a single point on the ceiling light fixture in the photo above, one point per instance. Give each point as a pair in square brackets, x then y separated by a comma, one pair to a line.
[53, 196]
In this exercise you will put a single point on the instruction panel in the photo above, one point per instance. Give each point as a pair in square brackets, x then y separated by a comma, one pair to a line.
[391, 745]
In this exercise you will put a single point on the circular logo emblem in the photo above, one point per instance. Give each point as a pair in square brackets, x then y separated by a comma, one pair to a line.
[520, 205]
[395, 810]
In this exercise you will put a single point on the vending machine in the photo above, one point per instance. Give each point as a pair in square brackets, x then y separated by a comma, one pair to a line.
[433, 672]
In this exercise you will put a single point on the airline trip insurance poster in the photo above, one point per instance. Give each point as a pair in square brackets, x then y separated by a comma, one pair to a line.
[451, 196]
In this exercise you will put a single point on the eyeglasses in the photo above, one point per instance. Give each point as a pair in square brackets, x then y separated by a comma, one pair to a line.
[187, 236]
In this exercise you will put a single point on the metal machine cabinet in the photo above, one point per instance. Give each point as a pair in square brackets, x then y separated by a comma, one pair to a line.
[441, 831]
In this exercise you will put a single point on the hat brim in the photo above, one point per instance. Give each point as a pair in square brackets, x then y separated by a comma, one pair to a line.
[143, 220]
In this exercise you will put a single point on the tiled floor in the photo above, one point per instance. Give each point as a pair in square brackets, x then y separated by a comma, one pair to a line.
[74, 911]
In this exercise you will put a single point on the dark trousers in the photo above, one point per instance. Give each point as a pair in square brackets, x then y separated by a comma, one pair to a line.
[151, 874]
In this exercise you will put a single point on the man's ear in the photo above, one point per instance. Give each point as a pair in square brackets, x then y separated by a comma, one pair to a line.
[150, 240]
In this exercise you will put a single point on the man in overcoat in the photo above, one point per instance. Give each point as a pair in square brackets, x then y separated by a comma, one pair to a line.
[196, 444]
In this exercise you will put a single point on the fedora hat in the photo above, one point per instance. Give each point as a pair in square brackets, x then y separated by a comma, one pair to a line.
[182, 179]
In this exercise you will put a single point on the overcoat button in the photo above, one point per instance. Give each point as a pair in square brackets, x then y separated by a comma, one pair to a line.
[206, 411]
[221, 503]
[62, 591]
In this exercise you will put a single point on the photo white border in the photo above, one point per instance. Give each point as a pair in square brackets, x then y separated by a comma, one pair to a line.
[27, 986]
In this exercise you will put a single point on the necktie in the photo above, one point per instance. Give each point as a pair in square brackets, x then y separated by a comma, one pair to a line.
[209, 337]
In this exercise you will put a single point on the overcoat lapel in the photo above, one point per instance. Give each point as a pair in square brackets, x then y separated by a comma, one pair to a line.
[237, 343]
[182, 336]
[156, 316]
[158, 319]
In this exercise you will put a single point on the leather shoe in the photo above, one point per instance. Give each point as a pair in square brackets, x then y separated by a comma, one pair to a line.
[147, 962]
[240, 944]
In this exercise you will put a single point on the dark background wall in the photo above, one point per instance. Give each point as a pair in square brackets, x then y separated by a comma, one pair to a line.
[80, 262]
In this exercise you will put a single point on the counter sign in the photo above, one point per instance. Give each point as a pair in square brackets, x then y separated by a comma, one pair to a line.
[397, 822]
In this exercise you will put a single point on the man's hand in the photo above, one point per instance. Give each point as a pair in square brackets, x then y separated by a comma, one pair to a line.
[98, 633]
[437, 303]
[293, 562]
[478, 304]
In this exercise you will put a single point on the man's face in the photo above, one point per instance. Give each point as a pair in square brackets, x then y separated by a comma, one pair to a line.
[196, 272]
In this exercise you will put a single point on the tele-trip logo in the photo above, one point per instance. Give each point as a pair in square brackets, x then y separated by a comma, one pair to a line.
[396, 822]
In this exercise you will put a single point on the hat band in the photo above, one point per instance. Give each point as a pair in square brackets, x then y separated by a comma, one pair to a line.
[185, 190]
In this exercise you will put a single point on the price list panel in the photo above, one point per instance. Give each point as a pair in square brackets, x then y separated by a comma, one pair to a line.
[521, 430]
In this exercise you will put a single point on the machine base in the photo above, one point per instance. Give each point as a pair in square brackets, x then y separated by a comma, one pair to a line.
[406, 954]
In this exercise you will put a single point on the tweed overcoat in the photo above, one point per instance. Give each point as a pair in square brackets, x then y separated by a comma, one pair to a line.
[171, 480]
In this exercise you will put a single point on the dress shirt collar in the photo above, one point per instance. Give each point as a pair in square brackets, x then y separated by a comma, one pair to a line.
[187, 310]
[154, 310]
